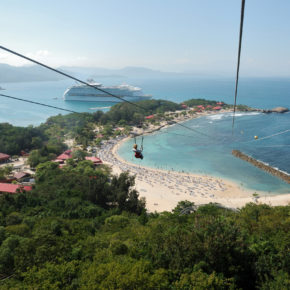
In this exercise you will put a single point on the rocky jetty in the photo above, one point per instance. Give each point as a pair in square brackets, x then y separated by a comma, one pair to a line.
[262, 165]
[277, 110]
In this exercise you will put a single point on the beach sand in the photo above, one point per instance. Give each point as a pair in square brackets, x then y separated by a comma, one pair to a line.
[164, 189]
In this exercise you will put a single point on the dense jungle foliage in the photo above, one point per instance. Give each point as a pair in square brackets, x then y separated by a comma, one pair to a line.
[82, 228]
[14, 139]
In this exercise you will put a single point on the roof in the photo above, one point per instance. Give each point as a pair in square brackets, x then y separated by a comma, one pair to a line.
[217, 108]
[20, 175]
[94, 159]
[4, 156]
[149, 117]
[12, 188]
[64, 156]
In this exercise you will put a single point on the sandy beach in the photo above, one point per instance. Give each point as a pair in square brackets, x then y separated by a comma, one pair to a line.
[164, 189]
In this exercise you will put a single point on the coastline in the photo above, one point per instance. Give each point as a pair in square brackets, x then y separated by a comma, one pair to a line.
[164, 189]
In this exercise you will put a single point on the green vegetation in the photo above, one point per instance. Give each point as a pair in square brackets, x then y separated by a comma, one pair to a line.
[5, 171]
[45, 153]
[197, 102]
[82, 228]
[244, 108]
[14, 139]
[133, 115]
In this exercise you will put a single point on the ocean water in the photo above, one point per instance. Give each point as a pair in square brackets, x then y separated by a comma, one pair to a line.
[256, 92]
[51, 93]
[179, 148]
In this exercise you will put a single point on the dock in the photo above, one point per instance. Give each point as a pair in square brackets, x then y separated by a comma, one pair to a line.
[262, 165]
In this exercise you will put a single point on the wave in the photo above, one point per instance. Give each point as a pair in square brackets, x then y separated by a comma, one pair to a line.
[99, 108]
[226, 115]
[278, 169]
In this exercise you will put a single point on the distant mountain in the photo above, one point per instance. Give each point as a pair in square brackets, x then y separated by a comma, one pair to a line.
[35, 73]
[123, 72]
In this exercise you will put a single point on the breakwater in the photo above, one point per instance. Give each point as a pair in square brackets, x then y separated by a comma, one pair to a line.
[261, 165]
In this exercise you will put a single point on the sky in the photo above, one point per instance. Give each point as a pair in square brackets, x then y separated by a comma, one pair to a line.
[199, 36]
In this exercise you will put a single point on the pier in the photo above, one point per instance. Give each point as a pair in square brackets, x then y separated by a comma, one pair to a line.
[262, 165]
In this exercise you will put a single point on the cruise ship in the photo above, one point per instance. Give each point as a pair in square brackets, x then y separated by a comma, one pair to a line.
[89, 94]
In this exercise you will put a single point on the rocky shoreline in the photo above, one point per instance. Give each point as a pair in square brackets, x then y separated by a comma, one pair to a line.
[280, 110]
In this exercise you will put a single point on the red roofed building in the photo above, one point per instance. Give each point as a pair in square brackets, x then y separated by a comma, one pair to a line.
[13, 188]
[4, 157]
[200, 107]
[149, 117]
[95, 160]
[217, 108]
[220, 103]
[65, 155]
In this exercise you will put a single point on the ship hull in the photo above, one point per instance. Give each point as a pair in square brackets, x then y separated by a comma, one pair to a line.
[104, 98]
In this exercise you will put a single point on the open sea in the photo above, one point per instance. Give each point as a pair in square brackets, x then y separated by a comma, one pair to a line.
[178, 148]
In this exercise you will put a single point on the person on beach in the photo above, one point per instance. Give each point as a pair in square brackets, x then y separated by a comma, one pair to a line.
[138, 152]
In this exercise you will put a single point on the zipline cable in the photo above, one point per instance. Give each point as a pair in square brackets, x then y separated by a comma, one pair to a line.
[66, 75]
[276, 134]
[238, 64]
[37, 103]
[86, 83]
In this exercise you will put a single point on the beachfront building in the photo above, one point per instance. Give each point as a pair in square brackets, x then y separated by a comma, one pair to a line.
[97, 161]
[61, 159]
[4, 158]
[13, 188]
[22, 176]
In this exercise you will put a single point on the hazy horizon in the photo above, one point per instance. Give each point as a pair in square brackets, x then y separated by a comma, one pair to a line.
[196, 36]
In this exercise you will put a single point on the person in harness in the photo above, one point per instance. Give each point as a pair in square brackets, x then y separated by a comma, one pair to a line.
[138, 152]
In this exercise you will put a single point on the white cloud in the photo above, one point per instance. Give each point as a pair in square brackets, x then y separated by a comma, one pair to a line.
[40, 55]
[11, 59]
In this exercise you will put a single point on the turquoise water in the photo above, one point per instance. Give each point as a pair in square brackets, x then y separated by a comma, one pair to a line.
[179, 149]
[23, 114]
[261, 93]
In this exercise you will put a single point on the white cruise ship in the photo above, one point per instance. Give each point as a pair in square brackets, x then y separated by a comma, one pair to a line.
[88, 94]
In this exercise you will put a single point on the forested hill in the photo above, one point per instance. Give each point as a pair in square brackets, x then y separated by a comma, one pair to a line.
[68, 235]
